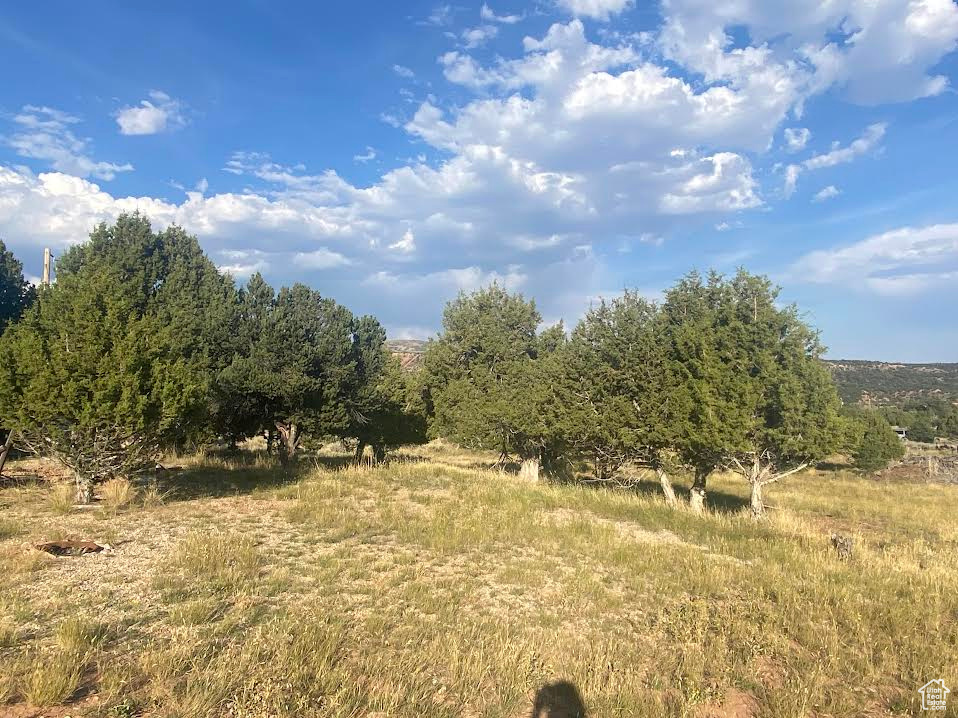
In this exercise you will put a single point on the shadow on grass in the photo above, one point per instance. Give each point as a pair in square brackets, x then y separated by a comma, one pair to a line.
[558, 700]
[717, 501]
[238, 473]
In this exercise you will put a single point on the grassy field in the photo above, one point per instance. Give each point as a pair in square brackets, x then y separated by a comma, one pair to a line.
[437, 587]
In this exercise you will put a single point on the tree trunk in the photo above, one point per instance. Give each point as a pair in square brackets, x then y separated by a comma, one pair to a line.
[5, 451]
[379, 453]
[758, 506]
[84, 486]
[529, 470]
[289, 435]
[667, 488]
[270, 437]
[697, 494]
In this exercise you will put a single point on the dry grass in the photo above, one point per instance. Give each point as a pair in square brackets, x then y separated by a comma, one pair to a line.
[437, 588]
[62, 498]
[117, 494]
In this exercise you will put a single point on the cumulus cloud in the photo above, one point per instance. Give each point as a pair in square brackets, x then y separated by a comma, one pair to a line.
[489, 15]
[160, 113]
[549, 157]
[321, 258]
[826, 193]
[902, 261]
[479, 35]
[407, 244]
[43, 133]
[873, 51]
[596, 9]
[796, 138]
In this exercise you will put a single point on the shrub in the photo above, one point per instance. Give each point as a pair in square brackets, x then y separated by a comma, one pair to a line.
[879, 444]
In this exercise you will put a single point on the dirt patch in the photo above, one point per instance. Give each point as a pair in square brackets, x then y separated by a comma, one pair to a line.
[735, 704]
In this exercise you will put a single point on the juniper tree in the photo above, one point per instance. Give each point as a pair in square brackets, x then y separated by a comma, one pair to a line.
[787, 404]
[877, 444]
[620, 394]
[297, 372]
[484, 377]
[390, 413]
[16, 293]
[756, 396]
[112, 362]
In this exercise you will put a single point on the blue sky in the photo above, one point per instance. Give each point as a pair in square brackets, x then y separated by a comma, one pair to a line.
[393, 154]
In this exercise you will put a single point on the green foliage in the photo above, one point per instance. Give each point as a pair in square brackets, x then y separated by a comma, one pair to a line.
[757, 397]
[297, 372]
[112, 362]
[16, 294]
[617, 403]
[392, 412]
[485, 376]
[878, 444]
[921, 429]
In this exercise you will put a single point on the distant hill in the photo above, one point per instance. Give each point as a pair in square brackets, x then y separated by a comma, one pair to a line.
[879, 383]
[409, 351]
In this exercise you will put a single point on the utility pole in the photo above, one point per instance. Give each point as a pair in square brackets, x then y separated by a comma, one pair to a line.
[46, 267]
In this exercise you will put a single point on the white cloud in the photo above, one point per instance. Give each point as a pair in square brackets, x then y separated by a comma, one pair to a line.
[43, 133]
[368, 155]
[826, 193]
[440, 16]
[321, 258]
[160, 113]
[407, 244]
[541, 162]
[479, 35]
[874, 50]
[596, 9]
[241, 264]
[840, 155]
[489, 15]
[902, 261]
[869, 140]
[796, 138]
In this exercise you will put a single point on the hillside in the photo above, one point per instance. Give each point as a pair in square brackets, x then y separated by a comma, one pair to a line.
[409, 351]
[888, 383]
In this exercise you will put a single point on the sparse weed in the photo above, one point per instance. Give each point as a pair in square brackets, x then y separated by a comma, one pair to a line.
[62, 498]
[117, 494]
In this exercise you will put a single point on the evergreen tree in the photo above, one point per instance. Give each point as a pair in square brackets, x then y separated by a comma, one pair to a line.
[878, 445]
[485, 377]
[389, 411]
[112, 362]
[708, 417]
[922, 429]
[786, 394]
[16, 293]
[619, 397]
[297, 373]
[392, 413]
[756, 396]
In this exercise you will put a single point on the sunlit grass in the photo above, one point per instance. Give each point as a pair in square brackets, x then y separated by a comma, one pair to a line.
[440, 588]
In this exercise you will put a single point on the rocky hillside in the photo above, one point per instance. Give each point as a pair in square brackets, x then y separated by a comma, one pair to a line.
[409, 351]
[886, 383]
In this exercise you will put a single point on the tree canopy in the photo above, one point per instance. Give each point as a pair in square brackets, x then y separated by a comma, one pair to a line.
[111, 362]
